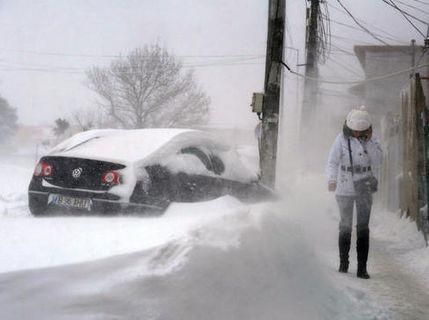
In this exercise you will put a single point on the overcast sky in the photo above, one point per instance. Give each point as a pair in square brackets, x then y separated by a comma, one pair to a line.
[47, 45]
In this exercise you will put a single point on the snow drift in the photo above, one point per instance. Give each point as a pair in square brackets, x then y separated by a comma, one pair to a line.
[252, 264]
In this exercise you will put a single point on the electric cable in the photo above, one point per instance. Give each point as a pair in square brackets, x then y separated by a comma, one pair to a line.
[238, 60]
[348, 68]
[406, 15]
[359, 29]
[385, 76]
[343, 50]
[362, 21]
[413, 7]
[323, 34]
[424, 51]
[337, 52]
[422, 2]
[83, 55]
[361, 25]
[72, 70]
[395, 6]
[351, 40]
[334, 93]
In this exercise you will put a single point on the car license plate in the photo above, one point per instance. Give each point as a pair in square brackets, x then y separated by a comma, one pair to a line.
[70, 202]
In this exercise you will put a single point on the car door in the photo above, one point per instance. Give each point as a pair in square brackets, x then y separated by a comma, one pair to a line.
[198, 187]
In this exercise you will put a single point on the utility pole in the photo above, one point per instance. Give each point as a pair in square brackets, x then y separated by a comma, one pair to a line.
[413, 57]
[271, 98]
[311, 70]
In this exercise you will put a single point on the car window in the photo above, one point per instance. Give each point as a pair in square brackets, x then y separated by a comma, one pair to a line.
[200, 155]
[217, 164]
[212, 162]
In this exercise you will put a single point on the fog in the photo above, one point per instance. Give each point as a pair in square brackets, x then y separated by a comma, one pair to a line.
[178, 262]
[47, 46]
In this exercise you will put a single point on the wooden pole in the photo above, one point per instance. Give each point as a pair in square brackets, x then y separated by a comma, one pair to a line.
[311, 70]
[273, 73]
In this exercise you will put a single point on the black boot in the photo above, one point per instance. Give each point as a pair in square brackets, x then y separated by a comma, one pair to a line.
[362, 273]
[344, 267]
[344, 246]
[362, 247]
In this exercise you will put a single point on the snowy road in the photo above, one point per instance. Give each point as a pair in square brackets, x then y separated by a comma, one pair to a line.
[27, 242]
[402, 294]
[251, 258]
[398, 259]
[397, 288]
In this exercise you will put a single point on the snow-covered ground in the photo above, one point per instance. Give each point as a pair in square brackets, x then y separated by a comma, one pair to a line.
[216, 260]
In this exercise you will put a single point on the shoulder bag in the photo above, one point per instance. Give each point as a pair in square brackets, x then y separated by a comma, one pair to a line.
[367, 185]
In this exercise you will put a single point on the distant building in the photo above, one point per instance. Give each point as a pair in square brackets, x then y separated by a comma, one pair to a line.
[383, 95]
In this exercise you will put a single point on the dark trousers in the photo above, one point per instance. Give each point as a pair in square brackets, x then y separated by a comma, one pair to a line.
[363, 212]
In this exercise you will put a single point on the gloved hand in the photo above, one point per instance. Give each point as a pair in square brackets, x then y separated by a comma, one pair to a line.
[332, 186]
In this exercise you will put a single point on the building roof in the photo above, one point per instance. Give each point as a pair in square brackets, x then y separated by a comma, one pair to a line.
[361, 51]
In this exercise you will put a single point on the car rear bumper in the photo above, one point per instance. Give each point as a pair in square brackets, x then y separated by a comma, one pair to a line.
[100, 202]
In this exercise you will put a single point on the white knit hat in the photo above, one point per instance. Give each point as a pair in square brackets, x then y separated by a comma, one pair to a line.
[358, 119]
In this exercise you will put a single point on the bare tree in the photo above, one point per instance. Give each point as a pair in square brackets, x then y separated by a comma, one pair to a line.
[8, 120]
[149, 88]
[88, 118]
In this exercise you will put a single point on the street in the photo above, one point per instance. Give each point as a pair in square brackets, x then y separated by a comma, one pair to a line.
[295, 239]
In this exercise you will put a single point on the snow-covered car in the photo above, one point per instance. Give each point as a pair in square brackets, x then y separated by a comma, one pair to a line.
[111, 170]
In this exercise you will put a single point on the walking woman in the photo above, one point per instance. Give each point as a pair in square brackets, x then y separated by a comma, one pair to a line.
[354, 160]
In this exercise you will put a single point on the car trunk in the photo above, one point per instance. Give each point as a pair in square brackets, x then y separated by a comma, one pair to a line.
[79, 173]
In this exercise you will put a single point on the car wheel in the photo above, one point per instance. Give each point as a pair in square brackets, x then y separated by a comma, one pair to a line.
[37, 204]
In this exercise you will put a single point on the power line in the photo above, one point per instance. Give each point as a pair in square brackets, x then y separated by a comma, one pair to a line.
[345, 39]
[71, 70]
[348, 68]
[422, 2]
[406, 16]
[64, 71]
[413, 7]
[333, 93]
[385, 76]
[337, 52]
[424, 51]
[362, 21]
[221, 60]
[359, 29]
[229, 60]
[360, 25]
[84, 55]
[395, 6]
[60, 54]
[343, 50]
[323, 33]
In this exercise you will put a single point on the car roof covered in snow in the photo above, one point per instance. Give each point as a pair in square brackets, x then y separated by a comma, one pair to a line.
[117, 145]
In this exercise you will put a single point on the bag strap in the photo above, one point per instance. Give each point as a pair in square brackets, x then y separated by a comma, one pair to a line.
[350, 155]
[351, 158]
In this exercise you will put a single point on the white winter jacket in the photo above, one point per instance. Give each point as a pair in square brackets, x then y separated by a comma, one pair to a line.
[367, 160]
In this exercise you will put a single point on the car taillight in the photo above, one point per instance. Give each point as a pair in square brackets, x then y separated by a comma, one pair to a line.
[111, 178]
[43, 169]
